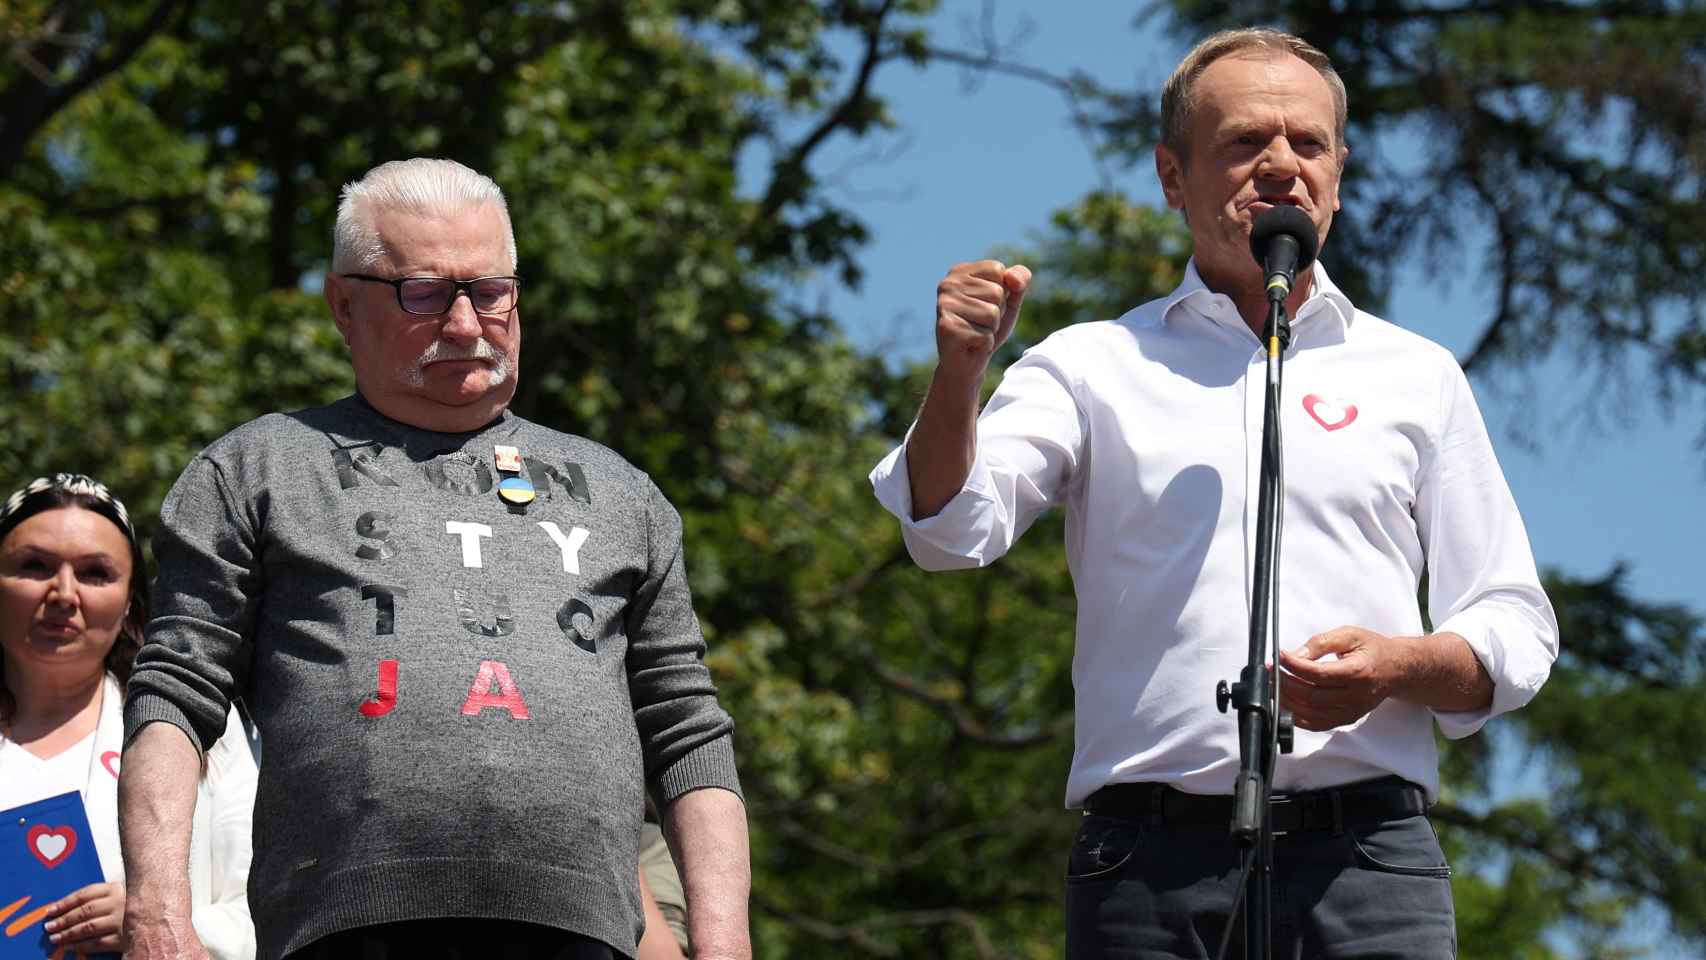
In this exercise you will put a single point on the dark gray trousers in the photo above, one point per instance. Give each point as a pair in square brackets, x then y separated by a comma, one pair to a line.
[1141, 892]
[455, 939]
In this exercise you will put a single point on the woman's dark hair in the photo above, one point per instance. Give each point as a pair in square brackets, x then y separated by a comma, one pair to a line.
[75, 490]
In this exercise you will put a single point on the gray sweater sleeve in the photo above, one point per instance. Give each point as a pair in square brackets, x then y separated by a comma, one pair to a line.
[685, 735]
[198, 649]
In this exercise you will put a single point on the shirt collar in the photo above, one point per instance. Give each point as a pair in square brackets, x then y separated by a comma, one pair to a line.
[1325, 300]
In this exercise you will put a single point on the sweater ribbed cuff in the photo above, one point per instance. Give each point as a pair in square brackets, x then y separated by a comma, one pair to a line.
[711, 764]
[145, 708]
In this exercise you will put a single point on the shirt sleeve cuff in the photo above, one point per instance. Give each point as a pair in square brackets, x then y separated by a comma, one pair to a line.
[711, 764]
[145, 708]
[1515, 682]
[938, 542]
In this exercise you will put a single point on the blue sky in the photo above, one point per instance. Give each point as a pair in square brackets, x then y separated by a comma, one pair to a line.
[970, 170]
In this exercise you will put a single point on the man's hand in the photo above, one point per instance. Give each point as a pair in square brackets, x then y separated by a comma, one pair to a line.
[1324, 694]
[977, 305]
[1438, 671]
[151, 935]
[89, 919]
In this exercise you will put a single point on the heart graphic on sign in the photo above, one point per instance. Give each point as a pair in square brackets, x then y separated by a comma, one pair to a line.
[1328, 414]
[110, 761]
[51, 845]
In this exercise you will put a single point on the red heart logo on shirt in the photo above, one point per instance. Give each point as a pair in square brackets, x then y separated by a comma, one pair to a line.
[1330, 415]
[51, 845]
[110, 761]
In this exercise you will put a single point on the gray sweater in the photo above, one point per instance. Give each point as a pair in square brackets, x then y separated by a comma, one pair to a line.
[461, 699]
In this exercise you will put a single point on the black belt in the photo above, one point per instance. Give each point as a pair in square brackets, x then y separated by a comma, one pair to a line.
[1352, 805]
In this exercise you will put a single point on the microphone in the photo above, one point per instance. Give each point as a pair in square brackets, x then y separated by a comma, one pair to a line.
[1283, 240]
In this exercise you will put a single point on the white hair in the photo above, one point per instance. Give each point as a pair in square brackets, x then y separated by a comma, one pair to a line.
[421, 185]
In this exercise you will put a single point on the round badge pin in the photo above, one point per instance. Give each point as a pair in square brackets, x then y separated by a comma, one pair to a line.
[516, 490]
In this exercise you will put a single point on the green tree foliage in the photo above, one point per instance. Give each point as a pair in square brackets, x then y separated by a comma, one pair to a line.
[167, 229]
[168, 176]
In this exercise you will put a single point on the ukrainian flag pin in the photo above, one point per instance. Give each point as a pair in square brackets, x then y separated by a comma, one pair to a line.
[516, 490]
[514, 487]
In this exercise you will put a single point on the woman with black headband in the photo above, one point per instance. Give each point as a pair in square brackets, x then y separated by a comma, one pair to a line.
[73, 604]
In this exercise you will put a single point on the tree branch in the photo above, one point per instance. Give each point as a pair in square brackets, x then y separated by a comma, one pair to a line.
[788, 179]
[965, 723]
[1573, 862]
[855, 935]
[1074, 88]
[1492, 337]
[950, 838]
[28, 110]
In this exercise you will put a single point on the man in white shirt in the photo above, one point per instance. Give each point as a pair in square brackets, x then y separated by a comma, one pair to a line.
[1148, 430]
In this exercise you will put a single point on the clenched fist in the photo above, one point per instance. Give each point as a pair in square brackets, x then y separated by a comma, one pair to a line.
[976, 307]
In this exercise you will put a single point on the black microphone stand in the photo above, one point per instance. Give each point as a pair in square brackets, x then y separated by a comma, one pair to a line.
[1264, 731]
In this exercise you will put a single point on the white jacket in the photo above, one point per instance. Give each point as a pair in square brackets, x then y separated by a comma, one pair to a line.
[219, 837]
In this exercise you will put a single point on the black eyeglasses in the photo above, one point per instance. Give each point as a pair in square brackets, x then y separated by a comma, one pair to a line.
[431, 296]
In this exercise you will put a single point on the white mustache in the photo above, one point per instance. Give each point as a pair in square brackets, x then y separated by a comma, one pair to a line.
[441, 350]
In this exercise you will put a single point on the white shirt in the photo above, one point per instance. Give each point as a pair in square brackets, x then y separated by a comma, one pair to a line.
[1148, 428]
[220, 847]
[26, 778]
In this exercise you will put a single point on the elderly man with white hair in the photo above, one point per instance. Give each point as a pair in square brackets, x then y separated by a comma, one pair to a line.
[467, 640]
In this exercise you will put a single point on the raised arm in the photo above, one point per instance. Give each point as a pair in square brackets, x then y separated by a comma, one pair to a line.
[977, 305]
